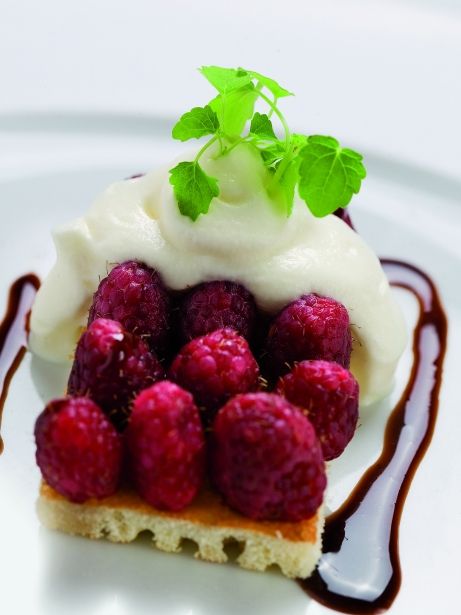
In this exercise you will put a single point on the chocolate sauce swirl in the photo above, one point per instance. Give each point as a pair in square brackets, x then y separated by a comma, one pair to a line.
[359, 571]
[13, 332]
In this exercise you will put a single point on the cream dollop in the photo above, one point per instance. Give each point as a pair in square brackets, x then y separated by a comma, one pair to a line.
[242, 238]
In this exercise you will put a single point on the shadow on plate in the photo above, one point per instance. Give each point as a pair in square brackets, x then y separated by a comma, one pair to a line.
[50, 379]
[85, 576]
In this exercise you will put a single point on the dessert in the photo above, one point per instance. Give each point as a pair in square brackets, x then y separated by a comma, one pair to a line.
[215, 248]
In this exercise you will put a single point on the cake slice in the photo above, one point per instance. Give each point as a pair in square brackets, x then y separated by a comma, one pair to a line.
[98, 482]
[294, 547]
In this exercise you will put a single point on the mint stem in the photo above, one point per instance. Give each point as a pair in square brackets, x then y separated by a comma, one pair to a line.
[280, 116]
[206, 146]
[271, 110]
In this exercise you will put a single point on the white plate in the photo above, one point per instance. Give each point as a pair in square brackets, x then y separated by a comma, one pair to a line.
[55, 168]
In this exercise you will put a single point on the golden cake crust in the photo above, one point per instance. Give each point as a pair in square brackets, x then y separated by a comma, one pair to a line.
[294, 547]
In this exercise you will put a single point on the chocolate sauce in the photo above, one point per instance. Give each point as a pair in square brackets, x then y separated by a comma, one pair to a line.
[13, 332]
[359, 571]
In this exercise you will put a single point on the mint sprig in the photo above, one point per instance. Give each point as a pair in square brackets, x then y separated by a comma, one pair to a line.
[326, 174]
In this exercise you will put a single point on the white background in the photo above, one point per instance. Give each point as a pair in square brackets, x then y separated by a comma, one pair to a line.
[382, 75]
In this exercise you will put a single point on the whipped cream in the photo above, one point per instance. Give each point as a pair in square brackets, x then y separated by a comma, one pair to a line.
[242, 238]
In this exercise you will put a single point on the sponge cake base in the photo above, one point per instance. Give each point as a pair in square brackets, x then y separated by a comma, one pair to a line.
[294, 547]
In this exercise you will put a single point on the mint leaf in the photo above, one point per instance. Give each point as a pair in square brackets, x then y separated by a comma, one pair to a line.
[282, 188]
[261, 126]
[273, 154]
[329, 175]
[298, 141]
[234, 109]
[287, 183]
[193, 189]
[226, 79]
[270, 84]
[196, 123]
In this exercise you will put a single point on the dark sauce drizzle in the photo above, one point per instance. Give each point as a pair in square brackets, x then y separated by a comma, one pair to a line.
[359, 571]
[360, 542]
[13, 332]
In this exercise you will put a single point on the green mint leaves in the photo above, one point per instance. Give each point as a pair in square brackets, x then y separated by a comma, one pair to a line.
[287, 185]
[226, 79]
[325, 174]
[270, 84]
[234, 109]
[193, 188]
[328, 175]
[261, 126]
[196, 123]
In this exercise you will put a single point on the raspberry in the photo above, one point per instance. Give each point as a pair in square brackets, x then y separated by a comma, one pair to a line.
[266, 460]
[312, 327]
[79, 452]
[111, 366]
[214, 368]
[215, 305]
[329, 396]
[345, 217]
[166, 446]
[134, 295]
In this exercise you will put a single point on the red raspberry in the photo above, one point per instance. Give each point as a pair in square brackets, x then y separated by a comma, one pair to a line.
[266, 459]
[111, 366]
[215, 367]
[134, 295]
[79, 452]
[215, 305]
[166, 446]
[312, 327]
[329, 396]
